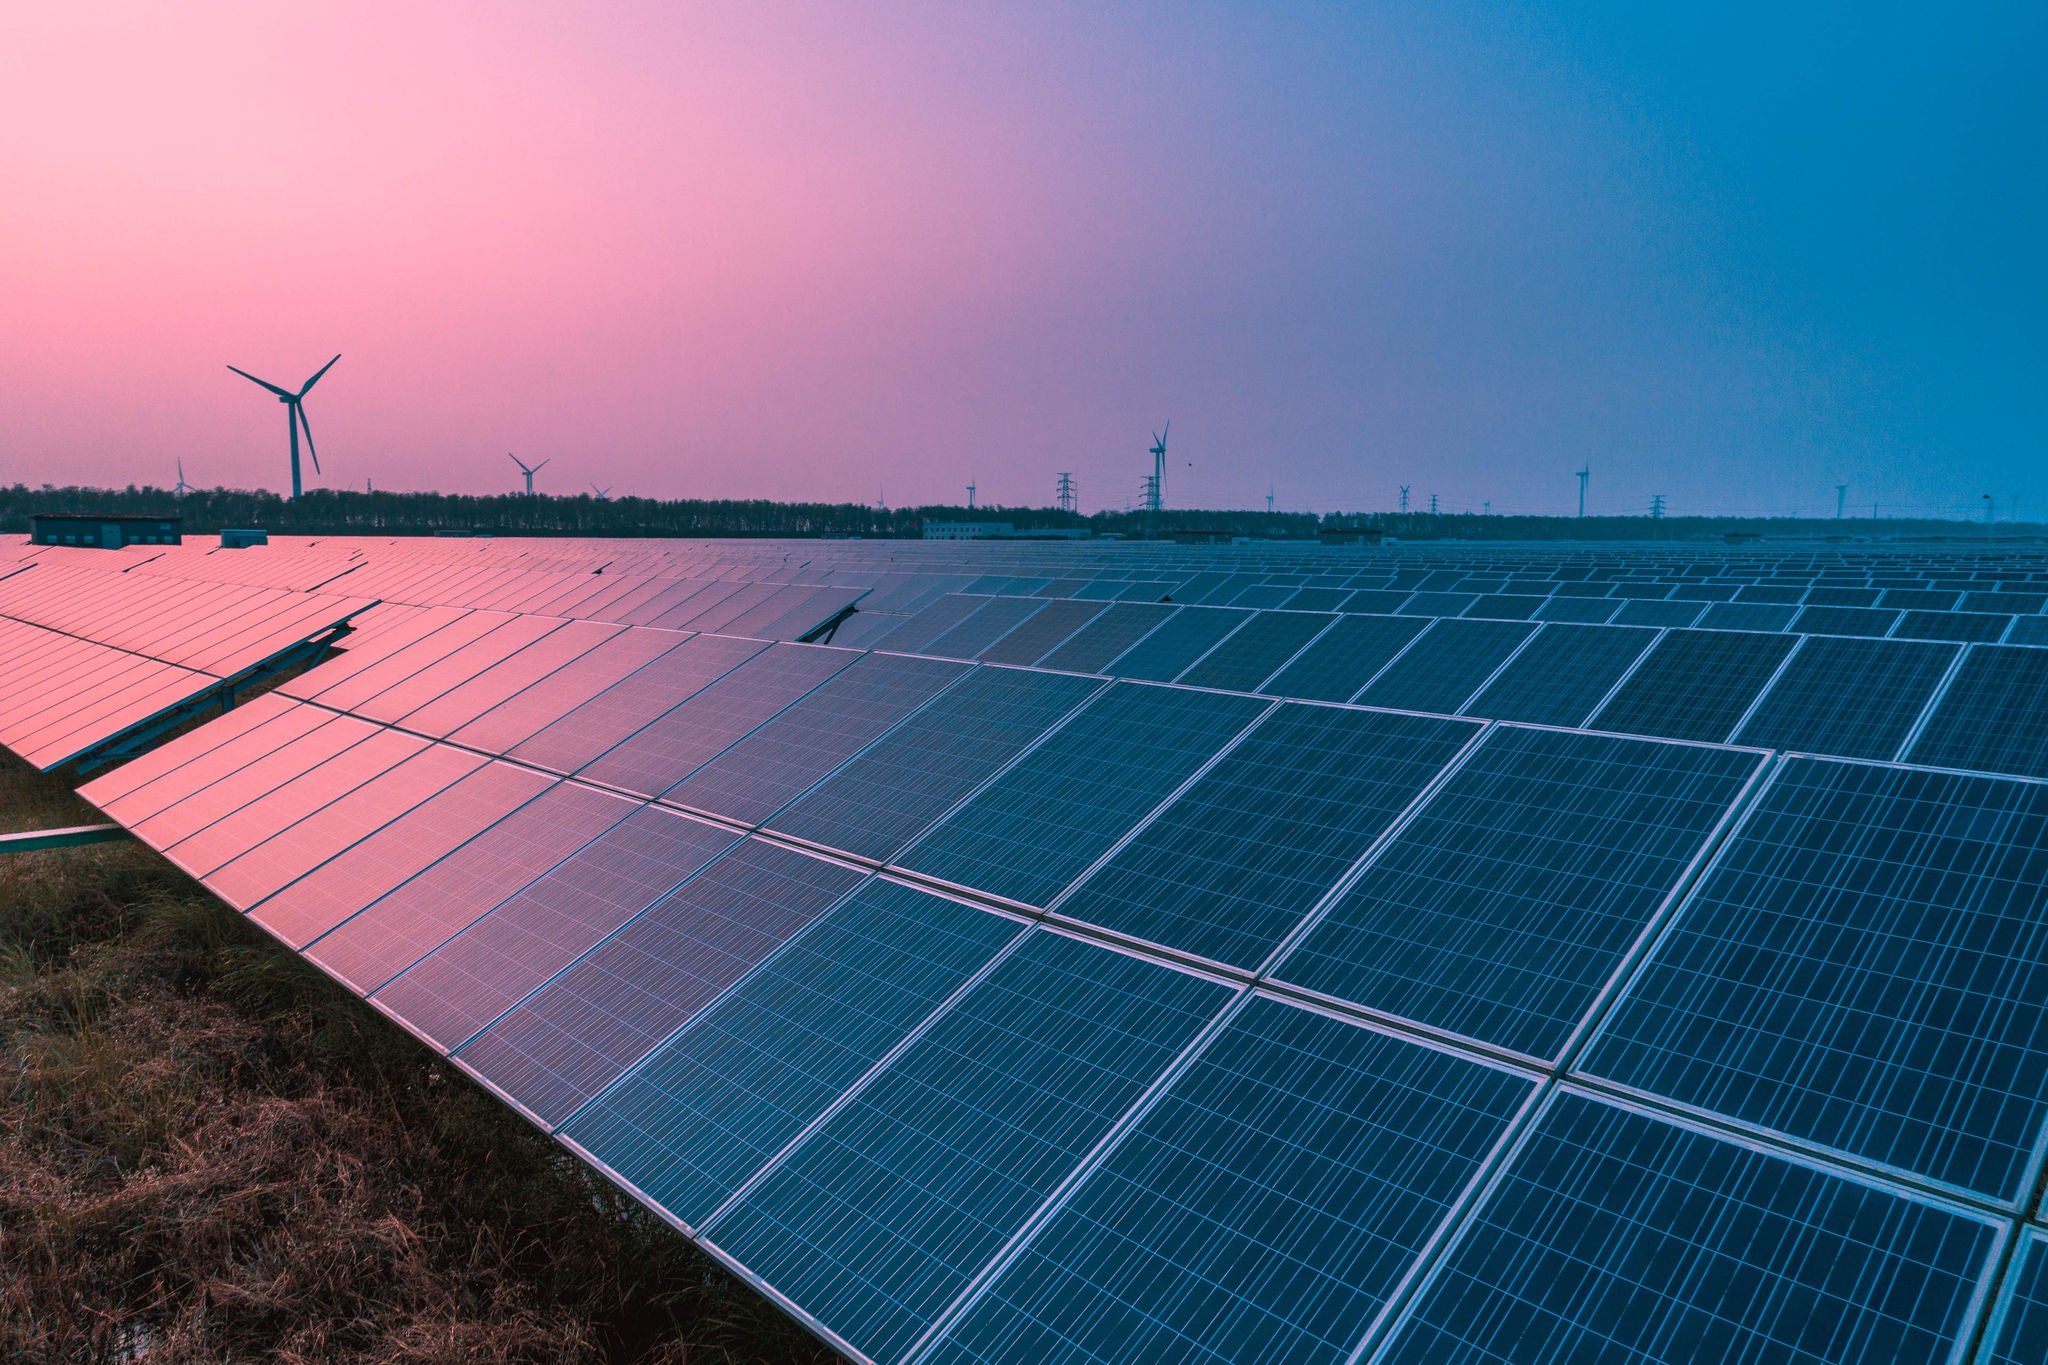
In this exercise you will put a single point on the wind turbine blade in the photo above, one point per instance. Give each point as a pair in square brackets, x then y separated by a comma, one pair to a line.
[316, 378]
[264, 382]
[301, 411]
[1162, 435]
[542, 465]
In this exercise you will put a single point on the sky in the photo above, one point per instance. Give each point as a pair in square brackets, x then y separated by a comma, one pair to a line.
[1734, 254]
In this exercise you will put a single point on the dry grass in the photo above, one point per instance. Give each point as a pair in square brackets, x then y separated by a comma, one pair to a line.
[209, 1152]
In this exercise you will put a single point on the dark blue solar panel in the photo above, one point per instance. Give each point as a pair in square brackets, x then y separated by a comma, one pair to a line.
[1614, 1237]
[484, 970]
[1237, 859]
[1763, 616]
[1994, 716]
[711, 1106]
[574, 1035]
[1641, 612]
[1502, 607]
[1584, 610]
[1042, 632]
[2019, 1333]
[884, 1214]
[1345, 657]
[1562, 674]
[857, 705]
[632, 702]
[1442, 669]
[1093, 647]
[996, 619]
[1261, 1213]
[1040, 824]
[1183, 638]
[1866, 968]
[1696, 684]
[1960, 626]
[1855, 698]
[887, 795]
[1256, 652]
[1501, 910]
[913, 635]
[1866, 621]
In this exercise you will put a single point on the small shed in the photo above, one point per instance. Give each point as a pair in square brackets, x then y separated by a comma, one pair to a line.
[103, 530]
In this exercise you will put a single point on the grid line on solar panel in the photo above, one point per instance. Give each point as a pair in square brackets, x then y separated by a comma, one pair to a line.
[1226, 869]
[1260, 648]
[1058, 807]
[1340, 662]
[887, 1211]
[1799, 646]
[1263, 1205]
[1852, 698]
[1561, 674]
[1694, 684]
[1615, 1233]
[1993, 716]
[1445, 665]
[1506, 906]
[690, 1123]
[1864, 971]
[1096, 645]
[1177, 643]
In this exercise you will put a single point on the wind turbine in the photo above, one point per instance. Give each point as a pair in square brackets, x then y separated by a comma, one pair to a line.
[603, 494]
[1157, 492]
[295, 415]
[529, 473]
[183, 488]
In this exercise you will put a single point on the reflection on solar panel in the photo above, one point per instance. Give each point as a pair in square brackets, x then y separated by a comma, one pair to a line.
[1236, 860]
[1616, 1236]
[1264, 1210]
[1510, 1042]
[1696, 684]
[1507, 903]
[1866, 969]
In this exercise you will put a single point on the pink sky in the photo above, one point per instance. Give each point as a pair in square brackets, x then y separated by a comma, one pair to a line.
[802, 251]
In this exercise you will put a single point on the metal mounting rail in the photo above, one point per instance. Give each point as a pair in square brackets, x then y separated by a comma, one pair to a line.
[30, 840]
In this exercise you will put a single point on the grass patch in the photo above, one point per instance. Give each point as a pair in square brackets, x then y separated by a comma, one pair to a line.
[211, 1152]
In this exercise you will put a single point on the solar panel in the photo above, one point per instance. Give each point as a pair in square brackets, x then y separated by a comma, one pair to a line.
[575, 1034]
[1091, 649]
[1994, 715]
[1237, 859]
[1853, 698]
[1695, 684]
[1256, 652]
[1561, 674]
[884, 1213]
[1502, 909]
[1042, 632]
[715, 1103]
[1344, 658]
[650, 691]
[1264, 1210]
[1865, 969]
[1613, 1236]
[1442, 669]
[2019, 1329]
[1045, 819]
[996, 619]
[1178, 641]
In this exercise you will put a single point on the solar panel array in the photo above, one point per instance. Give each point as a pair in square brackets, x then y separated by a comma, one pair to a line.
[1184, 981]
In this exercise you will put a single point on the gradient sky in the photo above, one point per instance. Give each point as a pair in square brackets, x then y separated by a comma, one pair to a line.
[1734, 253]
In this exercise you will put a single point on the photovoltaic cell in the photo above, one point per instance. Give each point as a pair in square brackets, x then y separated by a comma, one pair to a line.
[1345, 657]
[713, 1104]
[1695, 684]
[484, 970]
[1505, 905]
[1261, 1212]
[475, 870]
[997, 618]
[1108, 635]
[1562, 674]
[1866, 968]
[891, 792]
[1235, 861]
[879, 1219]
[929, 624]
[669, 749]
[1256, 652]
[1042, 632]
[1614, 1237]
[531, 710]
[1855, 698]
[485, 689]
[576, 1034]
[1864, 621]
[1441, 670]
[1960, 626]
[1994, 716]
[612, 715]
[2019, 1335]
[1185, 637]
[1043, 821]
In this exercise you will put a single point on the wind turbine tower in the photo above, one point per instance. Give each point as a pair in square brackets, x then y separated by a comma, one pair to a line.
[183, 488]
[1841, 496]
[529, 473]
[970, 497]
[1155, 487]
[295, 415]
[1269, 499]
[1584, 474]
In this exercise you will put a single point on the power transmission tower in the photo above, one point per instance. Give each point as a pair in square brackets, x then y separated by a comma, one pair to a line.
[1404, 497]
[1584, 474]
[1066, 494]
[1656, 507]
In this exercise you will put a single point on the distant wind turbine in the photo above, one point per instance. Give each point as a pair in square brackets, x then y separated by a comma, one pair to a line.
[529, 473]
[603, 494]
[295, 415]
[183, 488]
